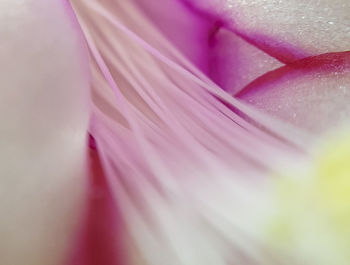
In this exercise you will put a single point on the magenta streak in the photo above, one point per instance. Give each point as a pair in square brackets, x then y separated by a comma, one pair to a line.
[324, 63]
[100, 240]
[282, 51]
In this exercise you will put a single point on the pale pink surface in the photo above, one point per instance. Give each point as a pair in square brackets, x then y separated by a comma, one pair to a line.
[312, 93]
[287, 29]
[44, 117]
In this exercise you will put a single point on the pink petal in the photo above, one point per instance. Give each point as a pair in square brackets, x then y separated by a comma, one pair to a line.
[44, 116]
[234, 63]
[287, 30]
[313, 93]
[187, 30]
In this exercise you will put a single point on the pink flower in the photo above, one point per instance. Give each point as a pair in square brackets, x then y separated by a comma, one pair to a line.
[185, 111]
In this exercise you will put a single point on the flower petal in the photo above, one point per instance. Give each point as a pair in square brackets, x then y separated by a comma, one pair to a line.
[44, 115]
[234, 63]
[186, 29]
[313, 93]
[287, 30]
